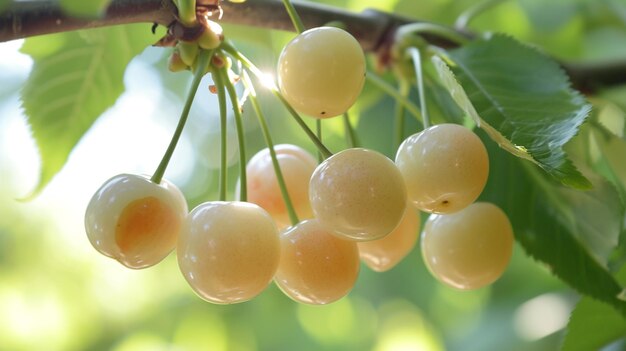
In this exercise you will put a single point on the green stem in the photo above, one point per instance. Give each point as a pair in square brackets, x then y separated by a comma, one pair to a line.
[186, 11]
[318, 143]
[229, 48]
[464, 19]
[318, 127]
[399, 113]
[221, 98]
[350, 133]
[431, 28]
[203, 61]
[384, 86]
[230, 88]
[262, 77]
[293, 217]
[417, 63]
[293, 15]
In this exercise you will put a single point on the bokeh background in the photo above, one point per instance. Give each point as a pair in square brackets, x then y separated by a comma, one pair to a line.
[58, 293]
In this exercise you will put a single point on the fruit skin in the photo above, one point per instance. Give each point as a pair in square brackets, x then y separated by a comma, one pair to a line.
[445, 168]
[296, 165]
[134, 220]
[321, 72]
[316, 267]
[468, 249]
[358, 194]
[228, 251]
[383, 254]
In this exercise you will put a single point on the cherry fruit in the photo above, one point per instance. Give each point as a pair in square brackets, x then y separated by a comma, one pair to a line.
[316, 267]
[228, 251]
[296, 165]
[445, 168]
[321, 72]
[134, 220]
[358, 194]
[470, 248]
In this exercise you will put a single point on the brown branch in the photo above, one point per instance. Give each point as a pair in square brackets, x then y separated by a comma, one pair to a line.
[373, 29]
[30, 18]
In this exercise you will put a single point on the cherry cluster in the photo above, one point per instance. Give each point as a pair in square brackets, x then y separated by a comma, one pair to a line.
[355, 205]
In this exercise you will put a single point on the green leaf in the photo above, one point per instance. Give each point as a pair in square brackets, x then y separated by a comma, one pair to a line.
[610, 108]
[593, 325]
[545, 217]
[76, 76]
[607, 152]
[82, 8]
[521, 98]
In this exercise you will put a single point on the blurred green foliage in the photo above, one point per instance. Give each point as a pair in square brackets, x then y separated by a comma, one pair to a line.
[57, 293]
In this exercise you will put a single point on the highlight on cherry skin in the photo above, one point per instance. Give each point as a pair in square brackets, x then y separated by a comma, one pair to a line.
[296, 165]
[135, 221]
[228, 251]
[383, 254]
[445, 168]
[321, 72]
[468, 249]
[358, 194]
[316, 267]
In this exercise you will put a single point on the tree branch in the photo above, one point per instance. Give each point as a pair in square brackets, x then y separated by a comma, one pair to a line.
[373, 29]
[36, 17]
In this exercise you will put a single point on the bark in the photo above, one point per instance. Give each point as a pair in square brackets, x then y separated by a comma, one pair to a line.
[373, 29]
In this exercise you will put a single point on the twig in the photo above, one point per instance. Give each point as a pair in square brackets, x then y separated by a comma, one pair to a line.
[373, 29]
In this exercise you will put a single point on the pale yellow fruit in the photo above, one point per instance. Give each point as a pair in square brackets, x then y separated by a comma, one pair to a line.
[383, 254]
[470, 248]
[358, 194]
[445, 168]
[316, 267]
[321, 72]
[135, 221]
[296, 165]
[228, 251]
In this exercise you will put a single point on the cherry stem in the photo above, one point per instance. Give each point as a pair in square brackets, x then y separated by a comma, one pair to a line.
[431, 28]
[318, 143]
[230, 88]
[351, 138]
[464, 19]
[221, 97]
[417, 63]
[293, 217]
[391, 91]
[203, 61]
[263, 79]
[318, 127]
[186, 11]
[293, 15]
[403, 88]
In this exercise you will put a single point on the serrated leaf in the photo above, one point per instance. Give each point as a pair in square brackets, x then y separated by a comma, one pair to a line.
[521, 98]
[593, 325]
[73, 81]
[545, 223]
[611, 111]
[608, 160]
[82, 8]
[593, 216]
